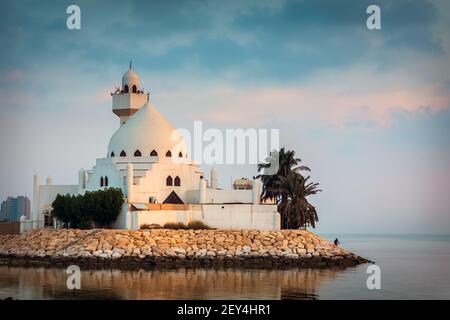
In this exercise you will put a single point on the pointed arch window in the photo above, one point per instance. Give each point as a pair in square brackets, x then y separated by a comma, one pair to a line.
[137, 153]
[169, 181]
[123, 154]
[168, 154]
[106, 181]
[180, 155]
[101, 182]
[177, 181]
[134, 89]
[112, 154]
[153, 153]
[126, 89]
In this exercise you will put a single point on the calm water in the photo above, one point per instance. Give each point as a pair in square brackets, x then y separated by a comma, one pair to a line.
[412, 267]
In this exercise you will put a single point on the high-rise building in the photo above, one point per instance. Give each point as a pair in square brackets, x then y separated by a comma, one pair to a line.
[13, 208]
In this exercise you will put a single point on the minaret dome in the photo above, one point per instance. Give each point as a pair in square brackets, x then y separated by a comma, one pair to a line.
[130, 81]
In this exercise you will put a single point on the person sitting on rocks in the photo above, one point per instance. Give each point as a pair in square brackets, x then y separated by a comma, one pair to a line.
[336, 242]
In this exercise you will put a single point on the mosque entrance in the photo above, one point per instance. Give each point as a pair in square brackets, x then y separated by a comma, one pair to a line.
[173, 198]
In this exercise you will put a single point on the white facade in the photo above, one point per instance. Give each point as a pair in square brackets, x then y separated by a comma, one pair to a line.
[148, 160]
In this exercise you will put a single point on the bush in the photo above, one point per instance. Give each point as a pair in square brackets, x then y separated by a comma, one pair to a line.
[151, 226]
[100, 207]
[193, 225]
[174, 225]
[197, 224]
[107, 206]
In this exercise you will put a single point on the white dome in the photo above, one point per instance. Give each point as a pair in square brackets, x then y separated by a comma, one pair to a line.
[130, 78]
[147, 130]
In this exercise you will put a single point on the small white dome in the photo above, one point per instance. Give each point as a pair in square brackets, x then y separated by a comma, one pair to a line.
[145, 131]
[242, 184]
[130, 78]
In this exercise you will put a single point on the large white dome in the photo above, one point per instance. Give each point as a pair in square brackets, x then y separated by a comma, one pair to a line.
[147, 130]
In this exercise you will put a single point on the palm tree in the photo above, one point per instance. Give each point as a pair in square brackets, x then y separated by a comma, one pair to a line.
[289, 189]
[297, 211]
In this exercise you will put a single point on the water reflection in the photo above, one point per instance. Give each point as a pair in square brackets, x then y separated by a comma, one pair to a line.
[224, 283]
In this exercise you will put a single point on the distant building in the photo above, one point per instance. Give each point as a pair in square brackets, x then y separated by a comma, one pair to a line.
[13, 208]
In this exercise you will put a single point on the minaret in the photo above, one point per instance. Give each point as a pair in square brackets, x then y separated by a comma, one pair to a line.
[129, 98]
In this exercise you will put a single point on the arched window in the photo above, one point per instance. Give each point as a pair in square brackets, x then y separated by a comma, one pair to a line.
[153, 153]
[168, 154]
[169, 181]
[137, 153]
[123, 154]
[101, 181]
[134, 89]
[112, 154]
[177, 181]
[125, 89]
[106, 181]
[180, 155]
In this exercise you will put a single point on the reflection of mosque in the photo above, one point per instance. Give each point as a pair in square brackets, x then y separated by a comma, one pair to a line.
[41, 283]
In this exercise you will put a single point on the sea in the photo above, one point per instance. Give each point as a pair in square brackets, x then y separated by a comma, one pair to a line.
[409, 267]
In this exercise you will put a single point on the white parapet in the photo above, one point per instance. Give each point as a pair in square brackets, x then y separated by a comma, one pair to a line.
[256, 192]
[202, 191]
[130, 178]
[214, 178]
[35, 211]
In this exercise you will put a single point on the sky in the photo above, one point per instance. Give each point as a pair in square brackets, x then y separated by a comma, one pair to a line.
[367, 110]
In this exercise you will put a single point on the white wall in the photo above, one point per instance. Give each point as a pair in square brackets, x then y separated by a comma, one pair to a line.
[228, 196]
[149, 177]
[227, 216]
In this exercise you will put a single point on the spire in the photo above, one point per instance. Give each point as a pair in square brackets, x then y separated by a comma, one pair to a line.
[130, 64]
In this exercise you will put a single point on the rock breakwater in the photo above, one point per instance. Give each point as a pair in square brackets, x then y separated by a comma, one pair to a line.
[100, 248]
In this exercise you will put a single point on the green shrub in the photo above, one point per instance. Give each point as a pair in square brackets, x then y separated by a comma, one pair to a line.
[174, 225]
[82, 211]
[197, 224]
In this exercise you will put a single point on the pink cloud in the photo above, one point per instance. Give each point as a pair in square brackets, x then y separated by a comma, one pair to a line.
[333, 98]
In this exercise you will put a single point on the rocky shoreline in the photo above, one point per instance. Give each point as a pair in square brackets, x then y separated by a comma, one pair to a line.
[125, 249]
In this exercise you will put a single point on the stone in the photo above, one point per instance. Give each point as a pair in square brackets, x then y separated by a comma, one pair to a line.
[220, 240]
[107, 246]
[97, 253]
[179, 250]
[92, 246]
[122, 243]
[170, 252]
[119, 250]
[246, 249]
[211, 254]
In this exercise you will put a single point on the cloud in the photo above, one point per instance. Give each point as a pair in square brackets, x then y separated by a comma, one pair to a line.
[359, 106]
[337, 97]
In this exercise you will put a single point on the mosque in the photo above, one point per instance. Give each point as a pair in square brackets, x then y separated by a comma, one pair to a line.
[147, 159]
